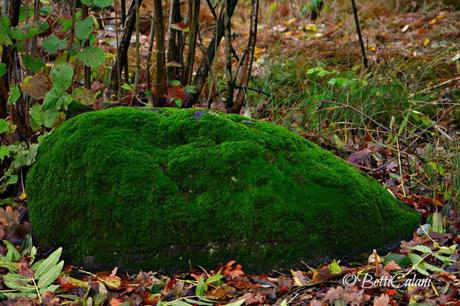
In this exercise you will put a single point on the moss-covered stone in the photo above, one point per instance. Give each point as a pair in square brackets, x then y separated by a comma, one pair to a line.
[156, 189]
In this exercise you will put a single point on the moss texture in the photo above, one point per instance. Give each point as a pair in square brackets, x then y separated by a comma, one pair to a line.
[155, 189]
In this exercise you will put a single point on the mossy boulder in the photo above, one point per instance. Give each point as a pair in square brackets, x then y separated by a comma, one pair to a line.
[159, 189]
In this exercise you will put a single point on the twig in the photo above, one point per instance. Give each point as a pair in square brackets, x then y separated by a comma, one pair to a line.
[438, 85]
[138, 55]
[358, 30]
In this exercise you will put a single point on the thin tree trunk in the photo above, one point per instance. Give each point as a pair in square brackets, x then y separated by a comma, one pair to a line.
[138, 56]
[358, 30]
[84, 9]
[72, 29]
[203, 70]
[193, 20]
[246, 75]
[149, 53]
[161, 77]
[20, 111]
[174, 41]
[228, 56]
[125, 59]
[122, 52]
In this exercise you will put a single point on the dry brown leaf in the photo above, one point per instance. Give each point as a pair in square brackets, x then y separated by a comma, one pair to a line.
[382, 300]
[9, 217]
[36, 86]
[392, 265]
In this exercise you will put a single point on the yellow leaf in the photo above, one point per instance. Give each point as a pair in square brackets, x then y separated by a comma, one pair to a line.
[426, 42]
[372, 48]
[311, 27]
[290, 22]
[23, 196]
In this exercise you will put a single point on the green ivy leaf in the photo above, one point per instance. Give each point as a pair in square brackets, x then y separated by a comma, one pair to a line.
[15, 94]
[87, 2]
[52, 44]
[83, 28]
[97, 3]
[5, 39]
[92, 57]
[66, 23]
[46, 10]
[4, 152]
[61, 76]
[4, 126]
[28, 31]
[36, 116]
[102, 3]
[2, 69]
[34, 64]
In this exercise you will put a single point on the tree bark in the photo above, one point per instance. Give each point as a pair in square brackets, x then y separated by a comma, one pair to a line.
[174, 41]
[228, 56]
[358, 30]
[203, 70]
[122, 52]
[246, 75]
[193, 20]
[161, 77]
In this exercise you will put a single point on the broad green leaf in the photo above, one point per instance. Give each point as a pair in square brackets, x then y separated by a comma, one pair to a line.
[18, 282]
[420, 269]
[44, 266]
[432, 268]
[66, 23]
[102, 3]
[444, 259]
[34, 64]
[51, 99]
[437, 225]
[214, 278]
[29, 31]
[12, 253]
[48, 277]
[421, 248]
[15, 94]
[52, 44]
[36, 116]
[201, 287]
[414, 258]
[2, 69]
[83, 28]
[61, 76]
[92, 57]
[5, 39]
[4, 152]
[4, 126]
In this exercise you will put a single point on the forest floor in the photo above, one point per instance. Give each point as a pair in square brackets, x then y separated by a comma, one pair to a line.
[397, 120]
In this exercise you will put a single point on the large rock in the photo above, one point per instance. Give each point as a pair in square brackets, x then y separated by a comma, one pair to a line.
[156, 189]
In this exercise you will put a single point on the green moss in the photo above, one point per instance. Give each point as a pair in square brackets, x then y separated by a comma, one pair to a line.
[154, 189]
